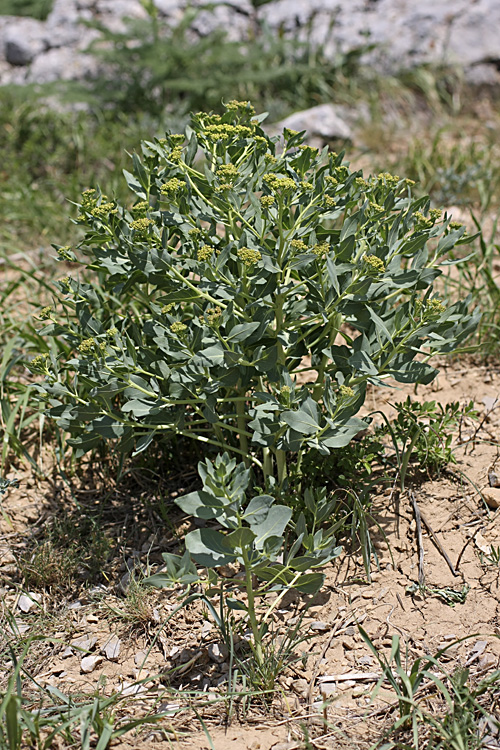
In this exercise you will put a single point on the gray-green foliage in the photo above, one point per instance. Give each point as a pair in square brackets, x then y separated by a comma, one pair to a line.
[237, 266]
[257, 534]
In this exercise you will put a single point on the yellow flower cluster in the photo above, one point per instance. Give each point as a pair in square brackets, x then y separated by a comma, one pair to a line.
[175, 155]
[361, 183]
[320, 249]
[329, 201]
[87, 346]
[248, 256]
[235, 106]
[212, 315]
[103, 209]
[141, 226]
[298, 245]
[421, 221]
[141, 207]
[346, 391]
[40, 362]
[65, 253]
[226, 131]
[171, 186]
[45, 313]
[375, 265]
[284, 184]
[205, 252]
[306, 185]
[227, 172]
[391, 180]
[330, 180]
[167, 308]
[177, 327]
[267, 201]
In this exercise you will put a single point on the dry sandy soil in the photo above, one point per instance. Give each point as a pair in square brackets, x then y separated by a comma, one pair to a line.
[461, 601]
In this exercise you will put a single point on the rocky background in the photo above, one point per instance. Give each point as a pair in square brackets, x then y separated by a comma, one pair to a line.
[404, 33]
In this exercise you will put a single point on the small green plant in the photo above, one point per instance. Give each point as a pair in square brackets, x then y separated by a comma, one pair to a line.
[39, 9]
[458, 726]
[422, 434]
[275, 554]
[224, 280]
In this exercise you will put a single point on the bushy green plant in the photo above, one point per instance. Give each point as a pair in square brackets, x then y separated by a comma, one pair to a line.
[422, 433]
[276, 554]
[36, 8]
[236, 267]
[158, 67]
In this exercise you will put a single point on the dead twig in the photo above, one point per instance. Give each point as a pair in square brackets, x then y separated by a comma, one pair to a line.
[420, 543]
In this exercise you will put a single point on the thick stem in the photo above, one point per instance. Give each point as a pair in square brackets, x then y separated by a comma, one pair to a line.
[281, 464]
[252, 616]
[240, 411]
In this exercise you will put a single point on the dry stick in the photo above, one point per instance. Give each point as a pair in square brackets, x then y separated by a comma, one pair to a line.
[420, 543]
[469, 540]
[438, 544]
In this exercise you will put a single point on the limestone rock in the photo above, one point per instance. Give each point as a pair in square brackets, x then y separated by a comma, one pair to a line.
[24, 40]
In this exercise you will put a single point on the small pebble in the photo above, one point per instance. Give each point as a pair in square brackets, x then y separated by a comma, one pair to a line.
[319, 626]
[217, 652]
[89, 663]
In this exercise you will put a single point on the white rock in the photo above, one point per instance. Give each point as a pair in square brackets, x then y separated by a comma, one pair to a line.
[218, 652]
[322, 122]
[89, 663]
[24, 40]
[26, 602]
[111, 648]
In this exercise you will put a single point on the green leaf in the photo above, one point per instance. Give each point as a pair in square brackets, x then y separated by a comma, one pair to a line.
[305, 420]
[201, 504]
[273, 525]
[210, 548]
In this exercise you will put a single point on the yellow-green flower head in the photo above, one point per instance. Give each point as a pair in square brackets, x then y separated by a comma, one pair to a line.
[346, 391]
[194, 232]
[177, 327]
[226, 131]
[65, 253]
[306, 185]
[142, 225]
[435, 214]
[223, 187]
[205, 252]
[171, 186]
[175, 155]
[235, 106]
[376, 207]
[329, 201]
[361, 183]
[270, 159]
[87, 346]
[167, 308]
[455, 225]
[260, 139]
[298, 245]
[285, 389]
[391, 180]
[421, 221]
[267, 201]
[40, 362]
[212, 315]
[248, 256]
[112, 332]
[141, 208]
[89, 199]
[64, 281]
[320, 249]
[409, 182]
[103, 209]
[374, 264]
[282, 184]
[434, 308]
[227, 172]
[290, 133]
[176, 139]
[332, 181]
[45, 313]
